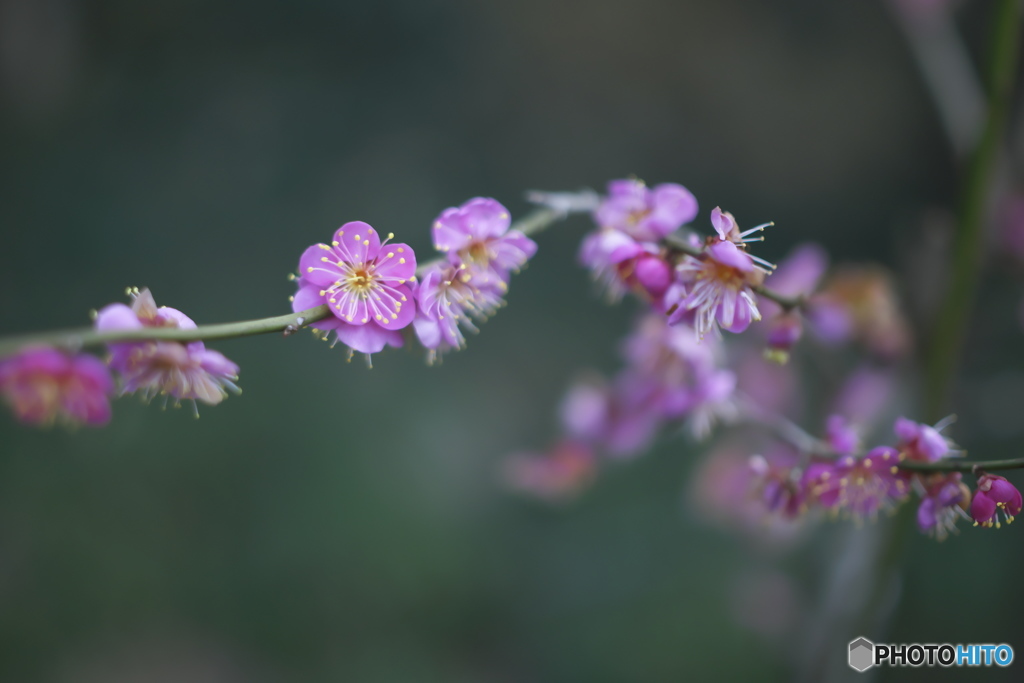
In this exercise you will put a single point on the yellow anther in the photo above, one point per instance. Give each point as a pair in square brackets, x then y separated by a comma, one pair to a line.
[325, 259]
[335, 243]
[394, 316]
[323, 292]
[309, 269]
[366, 243]
[391, 235]
[401, 260]
[401, 250]
[324, 246]
[391, 254]
[358, 238]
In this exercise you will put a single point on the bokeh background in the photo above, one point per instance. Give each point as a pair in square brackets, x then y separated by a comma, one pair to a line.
[335, 523]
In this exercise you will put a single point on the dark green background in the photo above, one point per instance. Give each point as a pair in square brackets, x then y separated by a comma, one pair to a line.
[335, 523]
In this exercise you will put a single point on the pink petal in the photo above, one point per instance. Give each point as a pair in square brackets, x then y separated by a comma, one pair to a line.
[369, 338]
[318, 266]
[358, 243]
[396, 262]
[117, 317]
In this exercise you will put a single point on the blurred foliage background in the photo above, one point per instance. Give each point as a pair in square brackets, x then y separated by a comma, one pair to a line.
[338, 523]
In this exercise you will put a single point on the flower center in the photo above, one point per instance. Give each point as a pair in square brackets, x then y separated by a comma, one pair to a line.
[477, 253]
[360, 281]
[722, 273]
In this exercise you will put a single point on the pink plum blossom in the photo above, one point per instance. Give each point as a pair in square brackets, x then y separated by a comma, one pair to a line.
[944, 499]
[451, 298]
[858, 487]
[921, 442]
[476, 235]
[364, 282]
[994, 496]
[182, 371]
[43, 385]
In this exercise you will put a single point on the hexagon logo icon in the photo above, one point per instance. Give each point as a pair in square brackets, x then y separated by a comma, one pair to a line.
[862, 654]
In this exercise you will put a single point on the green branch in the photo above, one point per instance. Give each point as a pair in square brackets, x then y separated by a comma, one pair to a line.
[957, 465]
[532, 223]
[968, 246]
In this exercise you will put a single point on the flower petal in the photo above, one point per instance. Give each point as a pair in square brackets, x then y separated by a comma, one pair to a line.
[369, 338]
[358, 243]
[396, 263]
[318, 266]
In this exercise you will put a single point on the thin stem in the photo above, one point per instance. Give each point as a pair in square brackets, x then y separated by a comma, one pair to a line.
[531, 224]
[957, 465]
[950, 330]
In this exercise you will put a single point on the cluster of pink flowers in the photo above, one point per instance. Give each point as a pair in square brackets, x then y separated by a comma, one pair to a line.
[675, 372]
[788, 486]
[370, 286]
[44, 385]
[373, 291]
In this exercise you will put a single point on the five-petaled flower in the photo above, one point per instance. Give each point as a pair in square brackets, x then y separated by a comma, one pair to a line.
[365, 283]
[476, 235]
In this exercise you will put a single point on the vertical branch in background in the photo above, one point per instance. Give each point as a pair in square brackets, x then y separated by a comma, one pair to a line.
[946, 68]
[950, 332]
[865, 585]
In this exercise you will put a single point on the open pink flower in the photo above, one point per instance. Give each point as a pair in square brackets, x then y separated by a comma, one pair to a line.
[451, 299]
[362, 279]
[364, 282]
[717, 288]
[477, 235]
[43, 385]
[645, 214]
[182, 371]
